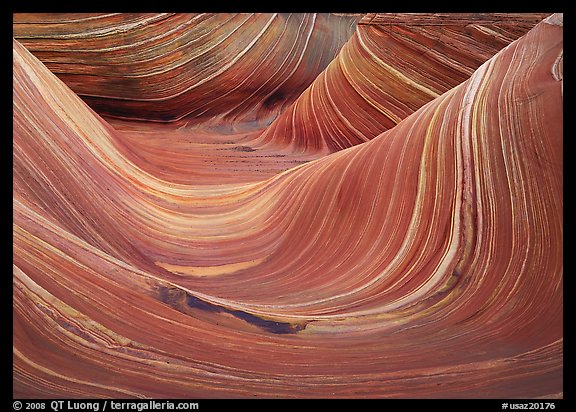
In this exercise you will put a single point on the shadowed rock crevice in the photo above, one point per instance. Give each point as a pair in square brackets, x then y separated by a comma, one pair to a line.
[185, 302]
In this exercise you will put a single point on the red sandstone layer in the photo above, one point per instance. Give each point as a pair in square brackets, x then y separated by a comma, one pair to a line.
[235, 68]
[334, 278]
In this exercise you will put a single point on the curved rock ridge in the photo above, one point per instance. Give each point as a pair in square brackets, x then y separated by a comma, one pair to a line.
[334, 278]
[512, 21]
[392, 66]
[166, 66]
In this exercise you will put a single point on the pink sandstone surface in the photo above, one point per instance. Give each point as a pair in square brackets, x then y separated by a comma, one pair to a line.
[287, 206]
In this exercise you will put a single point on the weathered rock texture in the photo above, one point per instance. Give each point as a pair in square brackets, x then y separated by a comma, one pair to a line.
[239, 67]
[392, 65]
[335, 276]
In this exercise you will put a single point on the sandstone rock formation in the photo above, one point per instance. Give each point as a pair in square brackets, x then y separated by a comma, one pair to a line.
[166, 66]
[183, 260]
[392, 65]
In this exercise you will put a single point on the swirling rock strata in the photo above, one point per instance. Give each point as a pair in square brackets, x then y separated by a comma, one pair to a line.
[335, 278]
[392, 66]
[242, 67]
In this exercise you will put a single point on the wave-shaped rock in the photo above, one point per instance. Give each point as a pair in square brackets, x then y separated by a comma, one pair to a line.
[391, 66]
[164, 66]
[335, 278]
